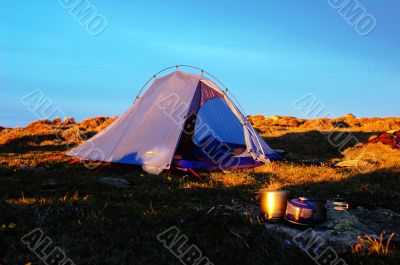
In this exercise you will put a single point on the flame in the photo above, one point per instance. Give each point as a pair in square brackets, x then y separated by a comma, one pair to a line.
[271, 204]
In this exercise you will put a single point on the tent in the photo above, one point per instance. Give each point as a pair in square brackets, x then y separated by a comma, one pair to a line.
[184, 121]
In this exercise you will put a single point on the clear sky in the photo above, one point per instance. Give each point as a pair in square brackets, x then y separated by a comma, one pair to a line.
[269, 53]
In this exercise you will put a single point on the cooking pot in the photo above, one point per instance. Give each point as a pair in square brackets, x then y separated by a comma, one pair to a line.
[320, 211]
[273, 204]
[300, 212]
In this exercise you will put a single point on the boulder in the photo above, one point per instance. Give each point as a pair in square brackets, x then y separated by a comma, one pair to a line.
[343, 228]
[68, 121]
[116, 182]
[349, 116]
[57, 122]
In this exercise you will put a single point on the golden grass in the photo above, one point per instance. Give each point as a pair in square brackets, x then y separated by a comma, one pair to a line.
[232, 179]
[374, 156]
[65, 199]
[68, 131]
[279, 125]
[282, 175]
[370, 245]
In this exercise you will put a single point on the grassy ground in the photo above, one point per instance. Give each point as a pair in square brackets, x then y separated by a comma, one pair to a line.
[99, 224]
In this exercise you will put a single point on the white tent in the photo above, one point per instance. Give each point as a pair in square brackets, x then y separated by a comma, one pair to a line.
[183, 120]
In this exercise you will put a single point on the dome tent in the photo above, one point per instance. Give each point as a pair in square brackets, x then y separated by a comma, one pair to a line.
[184, 121]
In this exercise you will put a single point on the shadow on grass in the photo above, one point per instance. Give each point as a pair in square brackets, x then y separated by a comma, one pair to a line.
[377, 188]
[35, 143]
[31, 143]
[317, 145]
[120, 226]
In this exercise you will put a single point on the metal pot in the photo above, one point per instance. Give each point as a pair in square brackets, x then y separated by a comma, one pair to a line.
[320, 212]
[300, 212]
[273, 204]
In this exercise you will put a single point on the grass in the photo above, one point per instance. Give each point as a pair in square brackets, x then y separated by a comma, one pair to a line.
[370, 246]
[98, 224]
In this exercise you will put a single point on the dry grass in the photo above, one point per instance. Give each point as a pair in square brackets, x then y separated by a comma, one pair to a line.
[120, 226]
[56, 132]
[378, 155]
[279, 125]
[65, 199]
[371, 246]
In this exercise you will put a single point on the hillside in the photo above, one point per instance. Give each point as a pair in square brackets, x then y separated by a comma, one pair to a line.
[100, 224]
[314, 139]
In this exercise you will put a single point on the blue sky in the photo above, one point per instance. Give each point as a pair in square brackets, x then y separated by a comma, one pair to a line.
[269, 53]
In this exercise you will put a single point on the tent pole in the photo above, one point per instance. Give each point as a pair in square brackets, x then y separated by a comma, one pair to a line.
[195, 174]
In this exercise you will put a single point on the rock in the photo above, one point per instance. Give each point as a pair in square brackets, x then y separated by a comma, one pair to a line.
[39, 123]
[57, 121]
[378, 220]
[25, 167]
[343, 227]
[340, 124]
[280, 151]
[274, 118]
[349, 116]
[49, 186]
[116, 182]
[68, 121]
[39, 169]
[357, 163]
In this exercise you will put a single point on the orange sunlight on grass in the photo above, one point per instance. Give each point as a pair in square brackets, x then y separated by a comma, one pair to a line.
[369, 245]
